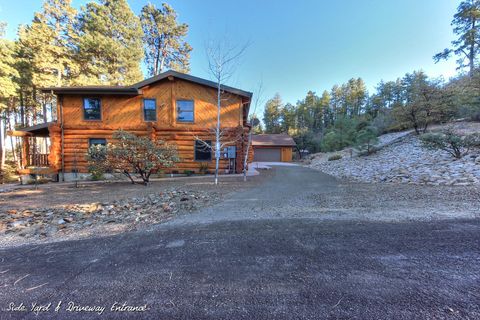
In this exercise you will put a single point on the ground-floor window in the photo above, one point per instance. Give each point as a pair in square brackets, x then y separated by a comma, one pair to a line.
[97, 142]
[203, 150]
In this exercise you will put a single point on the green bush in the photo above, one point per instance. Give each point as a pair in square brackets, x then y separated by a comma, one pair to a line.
[188, 172]
[335, 157]
[448, 140]
[366, 140]
[97, 161]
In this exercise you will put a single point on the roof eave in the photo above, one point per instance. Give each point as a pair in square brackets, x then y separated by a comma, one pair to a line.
[93, 91]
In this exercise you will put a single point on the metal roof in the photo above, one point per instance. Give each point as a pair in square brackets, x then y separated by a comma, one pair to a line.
[277, 140]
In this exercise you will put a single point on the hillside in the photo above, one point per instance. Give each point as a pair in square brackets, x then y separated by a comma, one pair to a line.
[402, 159]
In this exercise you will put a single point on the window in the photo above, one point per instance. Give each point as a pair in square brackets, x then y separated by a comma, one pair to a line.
[97, 142]
[92, 109]
[203, 150]
[149, 109]
[185, 110]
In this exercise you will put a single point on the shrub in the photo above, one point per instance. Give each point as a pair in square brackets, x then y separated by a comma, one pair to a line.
[448, 140]
[97, 161]
[366, 140]
[203, 168]
[188, 172]
[131, 155]
[335, 157]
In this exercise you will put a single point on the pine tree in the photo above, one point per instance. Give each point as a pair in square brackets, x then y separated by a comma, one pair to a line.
[45, 54]
[164, 40]
[8, 87]
[48, 46]
[272, 115]
[466, 25]
[110, 43]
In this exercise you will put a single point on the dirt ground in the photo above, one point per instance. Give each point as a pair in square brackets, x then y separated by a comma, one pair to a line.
[58, 194]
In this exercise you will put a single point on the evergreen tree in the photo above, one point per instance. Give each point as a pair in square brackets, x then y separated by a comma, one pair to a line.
[48, 46]
[324, 106]
[45, 54]
[110, 43]
[466, 25]
[272, 115]
[8, 87]
[164, 40]
[288, 118]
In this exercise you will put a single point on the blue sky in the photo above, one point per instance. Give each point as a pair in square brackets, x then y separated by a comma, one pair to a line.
[306, 45]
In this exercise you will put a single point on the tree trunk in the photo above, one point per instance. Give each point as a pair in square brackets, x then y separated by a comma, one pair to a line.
[217, 133]
[2, 142]
[245, 160]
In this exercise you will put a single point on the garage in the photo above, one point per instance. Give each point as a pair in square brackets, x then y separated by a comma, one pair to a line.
[273, 148]
[267, 155]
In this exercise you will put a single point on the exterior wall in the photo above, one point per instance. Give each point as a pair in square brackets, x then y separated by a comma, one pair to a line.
[124, 112]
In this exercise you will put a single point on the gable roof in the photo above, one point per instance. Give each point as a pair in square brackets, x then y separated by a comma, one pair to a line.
[135, 89]
[190, 78]
[277, 140]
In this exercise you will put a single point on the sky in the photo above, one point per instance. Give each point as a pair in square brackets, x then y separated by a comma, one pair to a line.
[305, 45]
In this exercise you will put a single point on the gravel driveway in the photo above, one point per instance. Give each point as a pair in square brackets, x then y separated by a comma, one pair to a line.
[301, 245]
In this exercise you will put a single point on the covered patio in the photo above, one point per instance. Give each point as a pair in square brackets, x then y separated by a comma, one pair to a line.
[38, 155]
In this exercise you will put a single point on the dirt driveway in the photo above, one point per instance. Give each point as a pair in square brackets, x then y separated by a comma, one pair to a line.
[300, 245]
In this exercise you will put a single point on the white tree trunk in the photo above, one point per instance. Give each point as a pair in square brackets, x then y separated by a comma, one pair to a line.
[217, 133]
[245, 160]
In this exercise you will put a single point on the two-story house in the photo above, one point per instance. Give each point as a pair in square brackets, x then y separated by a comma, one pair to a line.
[175, 107]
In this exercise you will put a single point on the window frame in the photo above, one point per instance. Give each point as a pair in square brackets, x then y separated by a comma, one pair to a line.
[193, 111]
[195, 151]
[100, 105]
[143, 109]
[91, 144]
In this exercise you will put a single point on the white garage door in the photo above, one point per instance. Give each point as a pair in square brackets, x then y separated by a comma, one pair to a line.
[267, 154]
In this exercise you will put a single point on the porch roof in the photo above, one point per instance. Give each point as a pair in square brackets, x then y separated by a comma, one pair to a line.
[39, 130]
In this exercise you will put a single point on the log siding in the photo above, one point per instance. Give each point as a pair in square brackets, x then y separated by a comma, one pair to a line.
[127, 113]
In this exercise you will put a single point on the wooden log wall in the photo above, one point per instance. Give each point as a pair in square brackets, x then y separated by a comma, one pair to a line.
[124, 112]
[77, 143]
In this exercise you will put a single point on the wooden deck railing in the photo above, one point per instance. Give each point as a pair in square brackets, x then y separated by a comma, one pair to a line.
[38, 160]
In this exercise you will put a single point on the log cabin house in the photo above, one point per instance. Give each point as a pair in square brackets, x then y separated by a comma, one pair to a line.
[174, 107]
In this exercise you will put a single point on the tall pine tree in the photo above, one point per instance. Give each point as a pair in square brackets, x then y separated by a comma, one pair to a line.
[466, 25]
[164, 40]
[110, 43]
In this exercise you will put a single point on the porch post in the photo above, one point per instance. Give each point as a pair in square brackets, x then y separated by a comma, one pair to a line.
[25, 151]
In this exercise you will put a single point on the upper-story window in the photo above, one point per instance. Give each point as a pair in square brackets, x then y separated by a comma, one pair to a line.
[185, 111]
[149, 109]
[92, 109]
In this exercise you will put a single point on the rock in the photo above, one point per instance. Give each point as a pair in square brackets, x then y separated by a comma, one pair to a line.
[184, 199]
[18, 224]
[68, 219]
[61, 221]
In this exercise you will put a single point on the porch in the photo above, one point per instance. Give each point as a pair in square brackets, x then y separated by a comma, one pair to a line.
[35, 149]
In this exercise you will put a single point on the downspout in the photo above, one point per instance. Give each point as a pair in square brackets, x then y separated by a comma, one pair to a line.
[62, 144]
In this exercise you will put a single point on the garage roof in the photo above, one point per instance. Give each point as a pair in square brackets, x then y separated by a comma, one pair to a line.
[277, 140]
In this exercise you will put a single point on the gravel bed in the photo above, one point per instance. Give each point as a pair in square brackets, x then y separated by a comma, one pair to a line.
[403, 160]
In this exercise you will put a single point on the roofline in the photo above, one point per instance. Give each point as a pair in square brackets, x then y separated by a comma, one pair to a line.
[36, 127]
[135, 89]
[187, 77]
[93, 90]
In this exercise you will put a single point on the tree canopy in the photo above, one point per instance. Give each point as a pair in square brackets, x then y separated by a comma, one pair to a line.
[164, 40]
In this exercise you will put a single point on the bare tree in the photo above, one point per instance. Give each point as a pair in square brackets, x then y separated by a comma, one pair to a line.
[257, 101]
[223, 59]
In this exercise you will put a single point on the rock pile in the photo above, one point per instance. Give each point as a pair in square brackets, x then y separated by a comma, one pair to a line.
[404, 161]
[154, 208]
